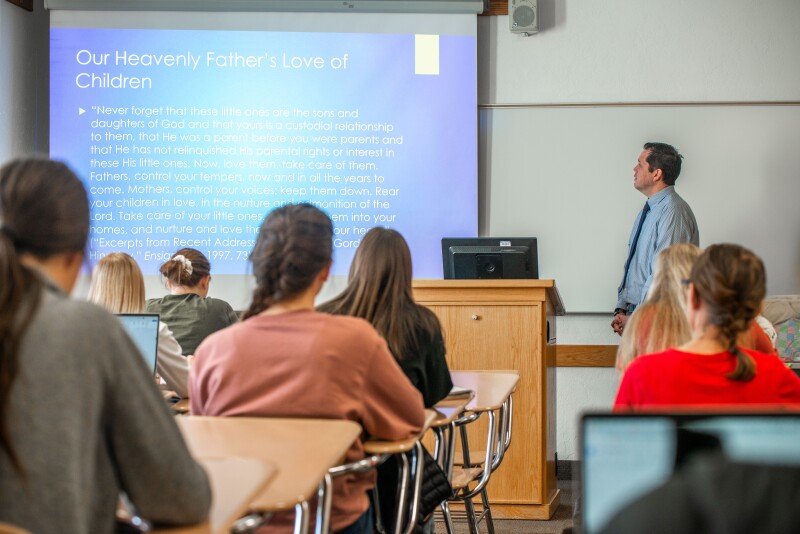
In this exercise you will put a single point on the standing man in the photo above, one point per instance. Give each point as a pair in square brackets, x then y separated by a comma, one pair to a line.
[665, 219]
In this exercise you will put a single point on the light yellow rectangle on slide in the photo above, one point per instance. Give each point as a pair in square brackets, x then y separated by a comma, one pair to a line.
[426, 54]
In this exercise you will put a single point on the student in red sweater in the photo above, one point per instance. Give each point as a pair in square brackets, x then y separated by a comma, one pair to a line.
[665, 306]
[724, 293]
[287, 360]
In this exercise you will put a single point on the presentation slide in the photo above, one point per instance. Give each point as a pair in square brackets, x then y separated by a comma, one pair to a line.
[188, 138]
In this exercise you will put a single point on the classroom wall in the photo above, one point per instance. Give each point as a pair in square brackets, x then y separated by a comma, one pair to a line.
[24, 91]
[618, 52]
[585, 52]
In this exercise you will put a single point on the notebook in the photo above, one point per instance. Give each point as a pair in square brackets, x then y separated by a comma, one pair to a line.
[143, 330]
[625, 456]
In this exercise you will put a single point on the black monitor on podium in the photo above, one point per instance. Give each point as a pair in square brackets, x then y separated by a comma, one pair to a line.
[490, 258]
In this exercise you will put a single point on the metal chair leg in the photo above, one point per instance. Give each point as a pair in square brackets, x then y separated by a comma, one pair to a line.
[301, 518]
[448, 518]
[402, 492]
[472, 519]
[416, 490]
[465, 446]
[487, 512]
[324, 495]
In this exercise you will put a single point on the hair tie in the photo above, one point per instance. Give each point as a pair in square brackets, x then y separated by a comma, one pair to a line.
[185, 262]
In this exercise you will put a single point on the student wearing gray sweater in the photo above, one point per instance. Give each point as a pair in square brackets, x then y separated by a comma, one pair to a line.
[81, 419]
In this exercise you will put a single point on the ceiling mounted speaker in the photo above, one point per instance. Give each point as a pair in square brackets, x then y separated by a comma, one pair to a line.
[523, 16]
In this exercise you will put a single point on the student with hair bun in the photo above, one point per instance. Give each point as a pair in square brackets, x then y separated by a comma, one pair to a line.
[188, 310]
[725, 290]
[118, 286]
[287, 360]
[80, 417]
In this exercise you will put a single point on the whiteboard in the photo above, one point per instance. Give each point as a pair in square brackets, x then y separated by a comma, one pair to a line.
[565, 175]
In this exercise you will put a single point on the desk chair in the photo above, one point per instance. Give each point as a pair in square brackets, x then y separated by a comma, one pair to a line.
[409, 454]
[493, 397]
[291, 444]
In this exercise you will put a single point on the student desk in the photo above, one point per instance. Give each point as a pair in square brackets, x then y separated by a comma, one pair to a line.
[448, 411]
[376, 452]
[379, 446]
[234, 484]
[302, 450]
[493, 390]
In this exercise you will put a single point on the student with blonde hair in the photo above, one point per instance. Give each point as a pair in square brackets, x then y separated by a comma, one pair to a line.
[660, 322]
[188, 310]
[118, 286]
[79, 412]
[725, 291]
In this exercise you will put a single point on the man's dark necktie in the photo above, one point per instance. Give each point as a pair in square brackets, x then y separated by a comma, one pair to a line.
[634, 243]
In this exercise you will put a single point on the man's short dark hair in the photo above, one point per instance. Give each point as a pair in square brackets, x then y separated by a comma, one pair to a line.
[665, 157]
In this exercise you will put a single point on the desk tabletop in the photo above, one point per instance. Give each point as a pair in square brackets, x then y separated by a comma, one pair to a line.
[449, 408]
[302, 449]
[377, 446]
[491, 388]
[234, 484]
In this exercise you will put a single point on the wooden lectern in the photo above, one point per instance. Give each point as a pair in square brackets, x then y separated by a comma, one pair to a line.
[508, 324]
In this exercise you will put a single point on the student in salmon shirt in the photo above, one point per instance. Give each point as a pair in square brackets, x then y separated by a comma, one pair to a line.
[284, 359]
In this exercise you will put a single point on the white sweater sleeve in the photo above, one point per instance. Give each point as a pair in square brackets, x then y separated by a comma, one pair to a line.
[172, 364]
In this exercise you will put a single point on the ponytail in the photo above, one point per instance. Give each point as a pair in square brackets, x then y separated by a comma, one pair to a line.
[294, 245]
[745, 366]
[731, 280]
[16, 283]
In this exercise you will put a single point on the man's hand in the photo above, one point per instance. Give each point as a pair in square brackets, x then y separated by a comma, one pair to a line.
[618, 324]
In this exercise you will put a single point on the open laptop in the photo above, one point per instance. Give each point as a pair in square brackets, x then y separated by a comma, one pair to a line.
[625, 456]
[143, 330]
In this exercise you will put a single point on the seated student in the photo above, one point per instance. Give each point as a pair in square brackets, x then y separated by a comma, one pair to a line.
[80, 416]
[379, 290]
[660, 321]
[714, 494]
[665, 307]
[287, 360]
[725, 291]
[118, 286]
[188, 310]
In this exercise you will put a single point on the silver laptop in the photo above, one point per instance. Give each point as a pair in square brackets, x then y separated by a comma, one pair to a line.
[625, 456]
[143, 330]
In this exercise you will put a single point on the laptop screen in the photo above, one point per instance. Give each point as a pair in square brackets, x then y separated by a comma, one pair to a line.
[628, 455]
[143, 330]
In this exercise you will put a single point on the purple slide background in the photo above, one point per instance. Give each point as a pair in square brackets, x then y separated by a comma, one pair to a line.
[435, 169]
